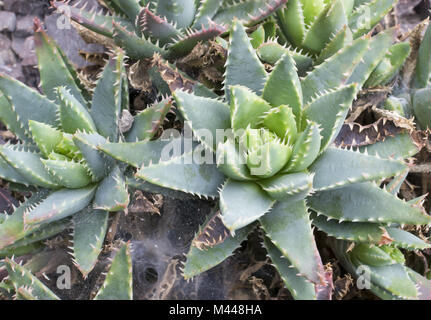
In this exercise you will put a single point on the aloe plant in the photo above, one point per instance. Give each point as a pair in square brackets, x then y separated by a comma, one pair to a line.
[276, 164]
[313, 31]
[171, 28]
[413, 96]
[383, 269]
[74, 184]
[21, 284]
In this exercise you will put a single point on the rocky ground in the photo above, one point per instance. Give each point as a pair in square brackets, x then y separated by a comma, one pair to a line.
[159, 228]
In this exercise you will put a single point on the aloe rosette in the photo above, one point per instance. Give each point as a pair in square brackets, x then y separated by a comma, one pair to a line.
[313, 31]
[171, 28]
[277, 164]
[73, 184]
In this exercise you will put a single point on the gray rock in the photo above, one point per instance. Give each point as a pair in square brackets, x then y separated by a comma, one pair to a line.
[14, 70]
[69, 40]
[28, 56]
[24, 48]
[18, 6]
[7, 57]
[7, 21]
[18, 45]
[24, 26]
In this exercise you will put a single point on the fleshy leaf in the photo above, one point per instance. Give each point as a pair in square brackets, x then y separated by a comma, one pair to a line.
[99, 23]
[340, 40]
[10, 119]
[135, 47]
[54, 70]
[185, 44]
[400, 146]
[406, 240]
[289, 228]
[180, 12]
[390, 65]
[195, 110]
[27, 103]
[282, 122]
[305, 150]
[184, 174]
[21, 277]
[58, 205]
[352, 231]
[130, 7]
[249, 12]
[142, 153]
[257, 37]
[7, 172]
[422, 107]
[89, 232]
[28, 165]
[118, 284]
[288, 187]
[242, 203]
[366, 202]
[148, 122]
[68, 174]
[365, 17]
[379, 46]
[112, 194]
[46, 137]
[337, 167]
[423, 284]
[98, 163]
[207, 10]
[268, 159]
[32, 237]
[291, 22]
[329, 111]
[107, 98]
[231, 162]
[243, 66]
[12, 228]
[199, 261]
[271, 52]
[395, 279]
[335, 71]
[73, 115]
[246, 108]
[299, 286]
[283, 86]
[423, 65]
[329, 22]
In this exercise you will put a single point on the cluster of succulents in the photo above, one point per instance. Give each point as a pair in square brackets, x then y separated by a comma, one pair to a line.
[313, 31]
[278, 170]
[73, 183]
[265, 148]
[171, 28]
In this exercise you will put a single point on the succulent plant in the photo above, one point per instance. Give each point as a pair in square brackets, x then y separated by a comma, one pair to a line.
[274, 165]
[413, 96]
[383, 269]
[171, 28]
[58, 157]
[21, 284]
[313, 31]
